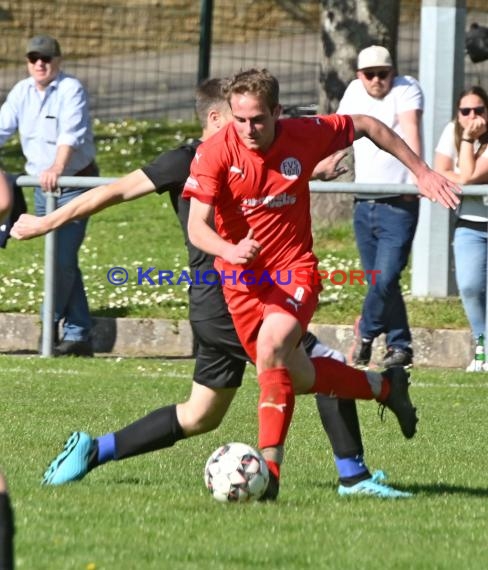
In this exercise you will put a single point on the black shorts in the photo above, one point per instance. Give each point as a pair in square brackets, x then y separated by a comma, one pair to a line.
[220, 358]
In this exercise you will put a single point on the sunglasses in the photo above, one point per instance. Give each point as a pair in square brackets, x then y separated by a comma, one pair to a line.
[370, 75]
[465, 111]
[33, 57]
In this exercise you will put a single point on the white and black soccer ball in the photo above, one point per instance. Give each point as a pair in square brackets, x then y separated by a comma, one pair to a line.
[236, 472]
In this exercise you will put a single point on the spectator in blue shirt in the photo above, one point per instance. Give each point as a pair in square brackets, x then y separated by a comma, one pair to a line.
[49, 110]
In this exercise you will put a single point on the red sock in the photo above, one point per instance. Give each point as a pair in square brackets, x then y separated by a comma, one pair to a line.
[334, 378]
[276, 405]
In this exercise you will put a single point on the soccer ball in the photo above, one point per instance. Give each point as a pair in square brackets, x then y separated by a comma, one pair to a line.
[236, 472]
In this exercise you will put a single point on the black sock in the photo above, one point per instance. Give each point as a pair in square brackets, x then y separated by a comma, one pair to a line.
[157, 430]
[341, 423]
[7, 531]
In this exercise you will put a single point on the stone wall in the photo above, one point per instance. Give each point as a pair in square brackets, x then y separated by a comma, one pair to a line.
[161, 338]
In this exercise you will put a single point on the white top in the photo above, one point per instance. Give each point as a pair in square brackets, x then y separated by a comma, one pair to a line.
[472, 208]
[372, 164]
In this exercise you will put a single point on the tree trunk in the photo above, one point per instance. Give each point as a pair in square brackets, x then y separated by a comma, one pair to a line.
[347, 27]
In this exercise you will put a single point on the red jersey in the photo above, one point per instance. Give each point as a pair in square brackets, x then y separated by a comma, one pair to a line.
[266, 191]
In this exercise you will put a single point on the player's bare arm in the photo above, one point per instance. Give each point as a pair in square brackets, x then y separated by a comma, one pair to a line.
[430, 183]
[330, 167]
[410, 123]
[130, 187]
[203, 236]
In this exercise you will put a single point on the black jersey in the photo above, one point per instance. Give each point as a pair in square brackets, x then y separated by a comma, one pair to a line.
[168, 172]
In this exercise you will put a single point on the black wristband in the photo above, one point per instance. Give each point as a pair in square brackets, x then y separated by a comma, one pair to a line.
[471, 141]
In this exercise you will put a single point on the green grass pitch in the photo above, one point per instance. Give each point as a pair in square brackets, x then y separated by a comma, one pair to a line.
[153, 512]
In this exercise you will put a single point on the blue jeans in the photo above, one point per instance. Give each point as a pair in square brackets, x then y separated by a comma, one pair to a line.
[384, 234]
[470, 251]
[70, 300]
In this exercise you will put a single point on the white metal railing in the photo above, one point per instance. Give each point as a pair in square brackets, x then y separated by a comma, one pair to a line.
[92, 181]
[47, 341]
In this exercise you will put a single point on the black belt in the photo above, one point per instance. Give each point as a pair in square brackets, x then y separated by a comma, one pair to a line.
[472, 225]
[90, 170]
[392, 200]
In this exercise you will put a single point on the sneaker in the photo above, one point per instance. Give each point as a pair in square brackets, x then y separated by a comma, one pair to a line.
[74, 348]
[398, 357]
[374, 487]
[272, 490]
[72, 463]
[398, 400]
[361, 350]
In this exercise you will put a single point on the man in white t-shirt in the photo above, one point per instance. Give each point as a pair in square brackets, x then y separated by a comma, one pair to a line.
[384, 224]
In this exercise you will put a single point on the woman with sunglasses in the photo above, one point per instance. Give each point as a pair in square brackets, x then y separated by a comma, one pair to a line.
[462, 156]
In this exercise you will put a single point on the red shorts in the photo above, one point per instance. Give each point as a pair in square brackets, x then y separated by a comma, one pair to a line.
[249, 308]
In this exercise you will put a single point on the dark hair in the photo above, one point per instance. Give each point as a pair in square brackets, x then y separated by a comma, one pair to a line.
[458, 129]
[209, 94]
[258, 82]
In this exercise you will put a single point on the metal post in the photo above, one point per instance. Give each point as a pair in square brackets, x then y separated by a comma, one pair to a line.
[441, 41]
[49, 282]
[206, 13]
[47, 339]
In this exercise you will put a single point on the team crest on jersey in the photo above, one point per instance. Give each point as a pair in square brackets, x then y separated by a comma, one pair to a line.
[291, 168]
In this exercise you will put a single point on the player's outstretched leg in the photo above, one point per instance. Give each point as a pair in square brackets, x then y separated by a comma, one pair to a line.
[82, 453]
[389, 388]
[72, 464]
